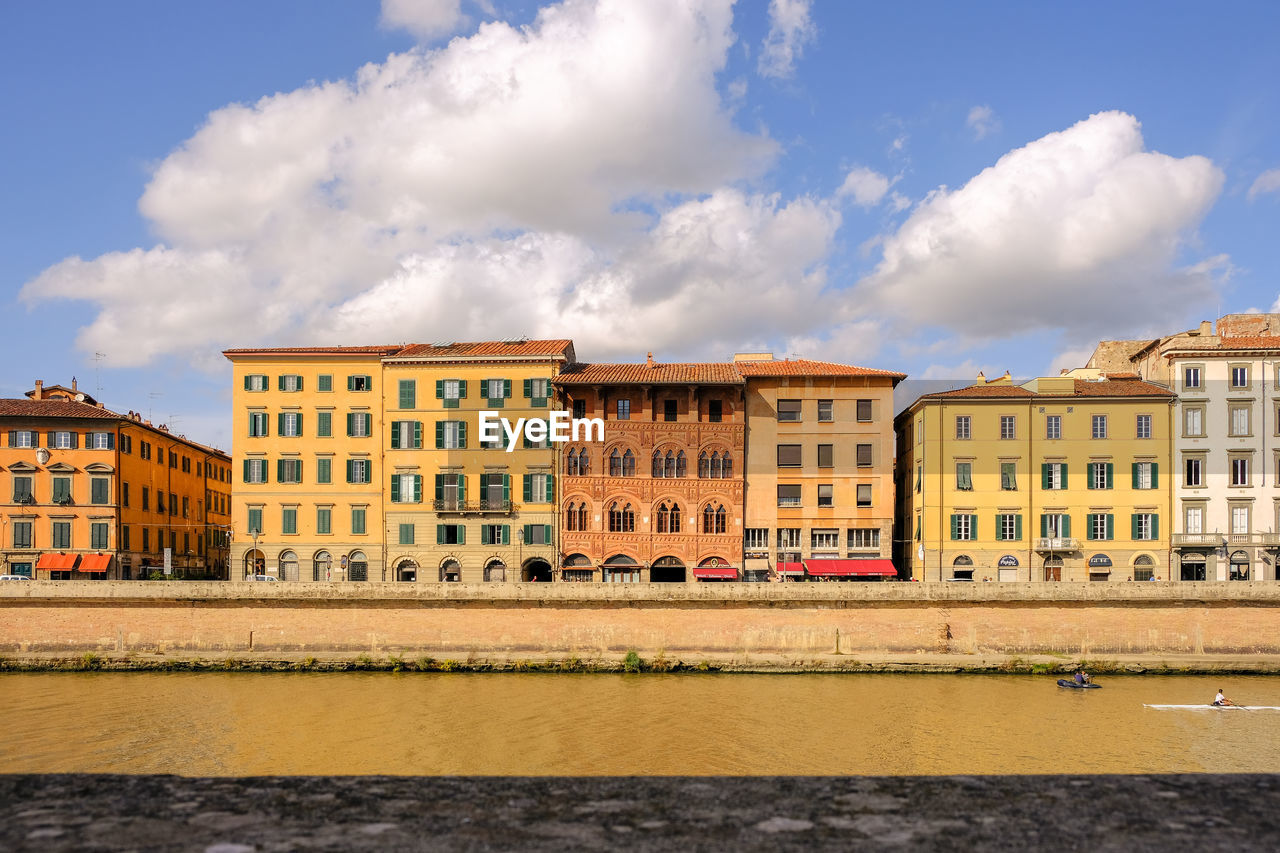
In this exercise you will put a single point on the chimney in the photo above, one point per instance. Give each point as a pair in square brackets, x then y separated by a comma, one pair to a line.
[73, 383]
[39, 395]
[650, 361]
[1206, 327]
[982, 377]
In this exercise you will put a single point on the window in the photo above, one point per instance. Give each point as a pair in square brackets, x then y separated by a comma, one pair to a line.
[324, 520]
[537, 488]
[864, 538]
[1009, 476]
[1145, 526]
[668, 518]
[146, 536]
[62, 490]
[1053, 427]
[1239, 420]
[1193, 422]
[576, 517]
[255, 471]
[826, 411]
[578, 462]
[451, 391]
[290, 382]
[1193, 471]
[715, 411]
[579, 408]
[622, 518]
[496, 391]
[624, 410]
[61, 534]
[1100, 526]
[1240, 377]
[289, 424]
[1143, 429]
[864, 495]
[824, 540]
[22, 534]
[1100, 475]
[255, 382]
[495, 534]
[359, 471]
[324, 470]
[713, 519]
[357, 520]
[537, 391]
[788, 411]
[669, 410]
[1009, 527]
[1099, 426]
[1008, 426]
[1053, 475]
[146, 498]
[789, 456]
[864, 411]
[451, 534]
[406, 531]
[1146, 475]
[963, 527]
[1239, 470]
[160, 496]
[359, 383]
[1055, 525]
[324, 424]
[1240, 520]
[408, 395]
[102, 440]
[864, 455]
[1194, 516]
[406, 434]
[962, 427]
[63, 440]
[451, 435]
[789, 540]
[324, 382]
[825, 495]
[826, 455]
[406, 488]
[537, 534]
[755, 539]
[173, 504]
[289, 520]
[359, 424]
[964, 476]
[1191, 377]
[789, 495]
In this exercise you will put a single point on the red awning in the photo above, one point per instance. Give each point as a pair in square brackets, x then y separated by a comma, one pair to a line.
[57, 562]
[790, 569]
[879, 568]
[95, 563]
[717, 572]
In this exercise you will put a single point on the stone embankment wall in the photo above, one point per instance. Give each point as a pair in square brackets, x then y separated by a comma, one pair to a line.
[680, 620]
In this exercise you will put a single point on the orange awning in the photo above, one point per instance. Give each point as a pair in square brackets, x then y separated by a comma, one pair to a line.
[95, 563]
[844, 568]
[57, 562]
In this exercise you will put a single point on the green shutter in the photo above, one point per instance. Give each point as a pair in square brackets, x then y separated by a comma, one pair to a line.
[973, 526]
[1155, 475]
[528, 488]
[462, 389]
[528, 533]
[439, 435]
[1066, 527]
[395, 488]
[417, 433]
[1155, 526]
[1110, 471]
[408, 394]
[246, 387]
[484, 487]
[484, 535]
[439, 534]
[246, 470]
[462, 487]
[506, 534]
[1111, 526]
[506, 488]
[1088, 524]
[351, 423]
[439, 389]
[395, 435]
[506, 388]
[528, 388]
[1090, 475]
[462, 435]
[1044, 475]
[350, 470]
[280, 423]
[298, 421]
[417, 488]
[1133, 526]
[439, 487]
[549, 497]
[1134, 467]
[324, 424]
[546, 533]
[280, 382]
[351, 383]
[1017, 527]
[1064, 475]
[955, 526]
[462, 534]
[279, 470]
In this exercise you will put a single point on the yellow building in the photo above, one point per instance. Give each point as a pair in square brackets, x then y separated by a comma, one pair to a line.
[365, 463]
[819, 460]
[94, 494]
[1061, 478]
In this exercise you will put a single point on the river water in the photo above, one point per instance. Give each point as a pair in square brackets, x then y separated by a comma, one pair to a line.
[237, 724]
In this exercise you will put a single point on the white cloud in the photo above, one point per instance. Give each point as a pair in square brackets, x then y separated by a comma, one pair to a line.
[790, 29]
[426, 19]
[475, 179]
[1078, 230]
[982, 121]
[1267, 182]
[866, 187]
[964, 373]
[1069, 359]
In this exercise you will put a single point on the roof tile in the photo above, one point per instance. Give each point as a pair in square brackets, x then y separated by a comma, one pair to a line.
[643, 373]
[25, 408]
[805, 367]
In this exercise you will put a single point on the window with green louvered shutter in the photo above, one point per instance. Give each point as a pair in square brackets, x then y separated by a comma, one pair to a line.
[351, 423]
[1017, 527]
[324, 382]
[323, 474]
[462, 435]
[955, 526]
[439, 435]
[1044, 526]
[440, 537]
[1110, 471]
[546, 534]
[484, 535]
[395, 488]
[417, 433]
[1044, 475]
[1111, 526]
[528, 488]
[462, 487]
[408, 394]
[395, 435]
[462, 389]
[506, 388]
[1155, 475]
[528, 534]
[324, 424]
[506, 534]
[280, 423]
[1066, 527]
[506, 488]
[439, 487]
[462, 534]
[417, 488]
[528, 389]
[549, 495]
[439, 389]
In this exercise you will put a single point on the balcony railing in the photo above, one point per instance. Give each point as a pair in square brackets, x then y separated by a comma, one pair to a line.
[1214, 540]
[477, 507]
[1058, 543]
[1197, 540]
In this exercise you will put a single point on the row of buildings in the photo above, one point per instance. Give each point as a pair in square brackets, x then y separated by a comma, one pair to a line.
[1159, 459]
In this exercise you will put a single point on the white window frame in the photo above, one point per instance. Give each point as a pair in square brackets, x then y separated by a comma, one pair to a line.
[500, 384]
[1098, 475]
[1055, 475]
[1052, 427]
[824, 539]
[1008, 427]
[1240, 521]
[1098, 426]
[1238, 418]
[1007, 526]
[755, 538]
[62, 440]
[290, 382]
[1193, 417]
[964, 527]
[451, 435]
[1239, 471]
[1238, 373]
[291, 424]
[257, 470]
[257, 382]
[1199, 469]
[1144, 475]
[964, 427]
[1193, 519]
[1142, 429]
[1098, 525]
[1188, 377]
[1144, 527]
[864, 538]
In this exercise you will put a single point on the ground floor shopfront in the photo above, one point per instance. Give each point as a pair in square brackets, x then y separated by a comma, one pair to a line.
[1058, 561]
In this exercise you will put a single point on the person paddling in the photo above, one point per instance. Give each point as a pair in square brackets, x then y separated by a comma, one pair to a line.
[1082, 677]
[1221, 700]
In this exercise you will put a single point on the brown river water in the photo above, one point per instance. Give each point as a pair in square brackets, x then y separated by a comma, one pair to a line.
[238, 724]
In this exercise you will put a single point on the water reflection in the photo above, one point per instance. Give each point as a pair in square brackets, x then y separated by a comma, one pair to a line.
[379, 723]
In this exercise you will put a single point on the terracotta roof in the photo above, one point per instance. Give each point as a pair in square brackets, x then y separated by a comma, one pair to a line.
[495, 349]
[375, 350]
[25, 408]
[1251, 342]
[1117, 387]
[805, 367]
[643, 373]
[982, 391]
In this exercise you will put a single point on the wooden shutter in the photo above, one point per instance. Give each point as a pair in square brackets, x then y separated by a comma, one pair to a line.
[1110, 468]
[439, 435]
[246, 470]
[439, 487]
[439, 389]
[351, 472]
[549, 495]
[955, 526]
[246, 382]
[395, 488]
[1155, 475]
[395, 435]
[462, 389]
[1044, 475]
[1133, 526]
[351, 383]
[506, 488]
[1155, 526]
[279, 470]
[462, 534]
[506, 534]
[528, 534]
[462, 487]
[1066, 527]
[417, 488]
[546, 533]
[484, 534]
[462, 434]
[973, 527]
[1044, 526]
[1063, 470]
[351, 423]
[417, 433]
[1017, 527]
[528, 488]
[297, 420]
[506, 388]
[1111, 526]
[1134, 468]
[439, 534]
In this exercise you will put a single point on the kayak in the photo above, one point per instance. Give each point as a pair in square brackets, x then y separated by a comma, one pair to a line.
[1215, 707]
[1062, 682]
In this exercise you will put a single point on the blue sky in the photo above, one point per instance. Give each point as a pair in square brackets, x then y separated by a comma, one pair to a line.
[936, 188]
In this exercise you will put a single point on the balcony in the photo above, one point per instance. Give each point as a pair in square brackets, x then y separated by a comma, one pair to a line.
[1058, 544]
[480, 507]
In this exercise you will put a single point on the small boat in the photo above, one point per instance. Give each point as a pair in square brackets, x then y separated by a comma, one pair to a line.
[1214, 707]
[1064, 682]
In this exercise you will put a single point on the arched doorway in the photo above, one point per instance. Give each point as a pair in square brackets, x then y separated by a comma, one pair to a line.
[495, 572]
[288, 566]
[255, 563]
[322, 566]
[450, 572]
[1144, 568]
[621, 569]
[537, 570]
[577, 567]
[1239, 566]
[357, 566]
[1052, 569]
[667, 570]
[1193, 567]
[407, 571]
[962, 568]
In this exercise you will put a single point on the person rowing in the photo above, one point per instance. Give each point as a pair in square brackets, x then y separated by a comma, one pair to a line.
[1082, 677]
[1221, 701]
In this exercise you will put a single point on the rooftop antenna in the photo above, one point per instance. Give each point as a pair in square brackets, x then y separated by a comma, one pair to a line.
[151, 405]
[97, 372]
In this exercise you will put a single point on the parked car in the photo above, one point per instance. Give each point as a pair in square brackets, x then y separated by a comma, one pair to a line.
[271, 578]
[14, 578]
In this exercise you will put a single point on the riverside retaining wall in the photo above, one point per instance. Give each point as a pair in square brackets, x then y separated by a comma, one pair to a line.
[555, 620]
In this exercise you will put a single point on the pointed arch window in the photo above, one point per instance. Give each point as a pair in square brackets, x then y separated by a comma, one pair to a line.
[622, 519]
[628, 464]
[657, 464]
[713, 519]
[704, 465]
[668, 518]
[681, 465]
[671, 464]
[615, 463]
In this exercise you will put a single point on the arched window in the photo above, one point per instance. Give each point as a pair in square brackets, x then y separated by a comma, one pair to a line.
[662, 519]
[681, 465]
[584, 462]
[716, 470]
[321, 565]
[721, 519]
[628, 464]
[713, 519]
[657, 464]
[704, 465]
[671, 464]
[726, 465]
[615, 463]
[288, 566]
[582, 516]
[571, 517]
[621, 520]
[674, 522]
[571, 462]
[358, 567]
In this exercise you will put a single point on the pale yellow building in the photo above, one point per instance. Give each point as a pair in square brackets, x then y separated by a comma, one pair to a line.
[1061, 478]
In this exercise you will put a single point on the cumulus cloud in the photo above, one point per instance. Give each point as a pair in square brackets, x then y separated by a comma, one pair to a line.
[982, 121]
[426, 19]
[864, 187]
[790, 29]
[1079, 230]
[1267, 182]
[577, 157]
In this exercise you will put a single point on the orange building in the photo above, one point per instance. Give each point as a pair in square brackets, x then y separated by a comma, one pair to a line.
[86, 492]
[661, 498]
